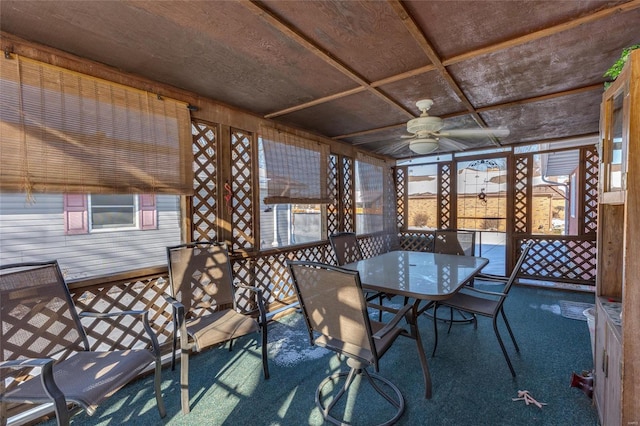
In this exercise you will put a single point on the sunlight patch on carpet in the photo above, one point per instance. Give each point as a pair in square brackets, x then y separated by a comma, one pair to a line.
[574, 310]
[554, 309]
[289, 343]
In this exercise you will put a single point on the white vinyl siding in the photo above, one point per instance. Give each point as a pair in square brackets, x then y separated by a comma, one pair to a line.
[36, 232]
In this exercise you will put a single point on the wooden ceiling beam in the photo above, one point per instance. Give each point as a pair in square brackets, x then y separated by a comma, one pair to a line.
[417, 34]
[289, 31]
[315, 102]
[548, 96]
[547, 32]
[494, 107]
[634, 4]
[378, 83]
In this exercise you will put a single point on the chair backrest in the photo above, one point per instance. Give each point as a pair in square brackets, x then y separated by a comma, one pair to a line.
[38, 316]
[334, 308]
[201, 277]
[345, 246]
[516, 269]
[454, 241]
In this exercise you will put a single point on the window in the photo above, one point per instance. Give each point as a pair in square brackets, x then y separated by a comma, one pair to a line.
[482, 194]
[101, 212]
[286, 224]
[112, 212]
[370, 200]
[423, 197]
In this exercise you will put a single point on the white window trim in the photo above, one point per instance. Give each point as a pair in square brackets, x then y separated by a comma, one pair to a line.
[136, 218]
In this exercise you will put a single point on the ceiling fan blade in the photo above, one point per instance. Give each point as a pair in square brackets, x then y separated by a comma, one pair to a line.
[471, 133]
[407, 136]
[451, 145]
[392, 149]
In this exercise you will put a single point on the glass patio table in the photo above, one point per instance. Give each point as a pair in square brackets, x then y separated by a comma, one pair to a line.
[419, 276]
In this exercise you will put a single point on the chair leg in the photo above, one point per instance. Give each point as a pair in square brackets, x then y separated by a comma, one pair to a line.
[56, 395]
[158, 389]
[397, 402]
[184, 373]
[504, 350]
[513, 339]
[265, 364]
[380, 296]
[435, 329]
[174, 346]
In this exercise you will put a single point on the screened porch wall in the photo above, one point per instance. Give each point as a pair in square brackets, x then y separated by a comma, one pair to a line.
[232, 162]
[567, 259]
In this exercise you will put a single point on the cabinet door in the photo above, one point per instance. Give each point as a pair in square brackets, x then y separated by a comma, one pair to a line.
[599, 368]
[613, 409]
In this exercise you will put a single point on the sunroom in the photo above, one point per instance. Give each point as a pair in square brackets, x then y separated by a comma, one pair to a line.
[129, 127]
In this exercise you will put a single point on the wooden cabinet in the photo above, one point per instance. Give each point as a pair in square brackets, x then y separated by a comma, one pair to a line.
[617, 348]
[607, 364]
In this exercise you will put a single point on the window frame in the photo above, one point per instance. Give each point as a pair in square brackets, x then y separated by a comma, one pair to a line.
[77, 210]
[135, 215]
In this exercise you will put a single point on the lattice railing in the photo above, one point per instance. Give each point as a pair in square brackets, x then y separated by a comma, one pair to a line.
[124, 294]
[560, 259]
[417, 241]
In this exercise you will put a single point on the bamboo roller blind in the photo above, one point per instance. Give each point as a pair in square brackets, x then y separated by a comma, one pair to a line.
[62, 131]
[296, 168]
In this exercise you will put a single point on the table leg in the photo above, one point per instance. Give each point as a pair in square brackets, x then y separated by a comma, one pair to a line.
[415, 334]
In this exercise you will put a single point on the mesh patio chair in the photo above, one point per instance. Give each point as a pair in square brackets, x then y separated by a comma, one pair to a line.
[455, 241]
[486, 303]
[335, 312]
[41, 329]
[205, 313]
[347, 250]
[461, 243]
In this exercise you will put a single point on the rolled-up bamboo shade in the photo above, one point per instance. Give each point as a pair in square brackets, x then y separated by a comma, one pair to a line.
[296, 168]
[62, 131]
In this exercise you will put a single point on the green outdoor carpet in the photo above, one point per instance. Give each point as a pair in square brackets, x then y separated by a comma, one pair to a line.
[471, 381]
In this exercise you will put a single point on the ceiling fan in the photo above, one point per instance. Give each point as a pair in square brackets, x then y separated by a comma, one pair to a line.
[426, 132]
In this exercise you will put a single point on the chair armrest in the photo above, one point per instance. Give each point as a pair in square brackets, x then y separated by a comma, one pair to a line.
[178, 309]
[259, 298]
[142, 315]
[402, 313]
[46, 380]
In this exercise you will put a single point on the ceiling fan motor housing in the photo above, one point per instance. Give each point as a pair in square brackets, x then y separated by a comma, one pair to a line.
[425, 124]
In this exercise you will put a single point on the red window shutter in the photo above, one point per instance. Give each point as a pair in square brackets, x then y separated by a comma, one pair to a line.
[148, 211]
[76, 214]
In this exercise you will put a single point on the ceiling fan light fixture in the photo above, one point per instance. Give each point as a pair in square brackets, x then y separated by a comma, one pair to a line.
[423, 145]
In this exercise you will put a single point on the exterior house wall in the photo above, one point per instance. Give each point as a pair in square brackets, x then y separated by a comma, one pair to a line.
[36, 232]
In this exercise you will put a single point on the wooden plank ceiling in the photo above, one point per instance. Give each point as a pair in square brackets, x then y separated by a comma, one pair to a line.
[353, 70]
